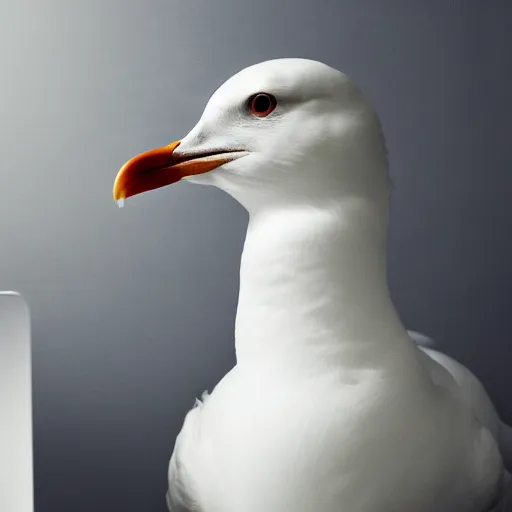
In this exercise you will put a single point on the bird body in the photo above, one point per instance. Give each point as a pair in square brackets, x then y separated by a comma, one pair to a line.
[307, 446]
[331, 407]
[322, 421]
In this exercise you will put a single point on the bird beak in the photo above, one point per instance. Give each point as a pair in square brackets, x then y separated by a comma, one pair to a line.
[163, 166]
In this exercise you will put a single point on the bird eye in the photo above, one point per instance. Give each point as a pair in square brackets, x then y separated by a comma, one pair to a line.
[262, 104]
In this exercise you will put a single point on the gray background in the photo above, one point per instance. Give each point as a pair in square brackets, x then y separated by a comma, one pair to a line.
[133, 309]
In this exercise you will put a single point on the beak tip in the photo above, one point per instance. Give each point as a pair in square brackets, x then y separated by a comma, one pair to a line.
[118, 194]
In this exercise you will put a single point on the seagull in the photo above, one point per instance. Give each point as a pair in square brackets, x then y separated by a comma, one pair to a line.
[332, 406]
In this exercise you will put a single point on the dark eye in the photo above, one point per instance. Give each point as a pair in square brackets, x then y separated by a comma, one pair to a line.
[262, 104]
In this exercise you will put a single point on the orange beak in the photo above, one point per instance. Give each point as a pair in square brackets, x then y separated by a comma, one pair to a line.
[162, 166]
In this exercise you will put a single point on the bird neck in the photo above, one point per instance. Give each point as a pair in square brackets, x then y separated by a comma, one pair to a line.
[313, 287]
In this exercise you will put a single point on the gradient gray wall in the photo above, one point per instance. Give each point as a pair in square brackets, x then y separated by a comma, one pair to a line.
[133, 309]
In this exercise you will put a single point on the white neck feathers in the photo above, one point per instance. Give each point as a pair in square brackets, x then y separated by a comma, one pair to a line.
[313, 286]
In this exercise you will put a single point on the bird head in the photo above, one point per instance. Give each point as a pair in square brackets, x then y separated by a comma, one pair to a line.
[285, 131]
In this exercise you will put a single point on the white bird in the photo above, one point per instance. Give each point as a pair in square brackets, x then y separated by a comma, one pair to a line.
[330, 406]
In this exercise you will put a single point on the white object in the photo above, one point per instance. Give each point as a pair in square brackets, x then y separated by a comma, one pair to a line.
[330, 407]
[16, 466]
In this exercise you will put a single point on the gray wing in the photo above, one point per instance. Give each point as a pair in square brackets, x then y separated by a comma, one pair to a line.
[473, 393]
[449, 373]
[421, 339]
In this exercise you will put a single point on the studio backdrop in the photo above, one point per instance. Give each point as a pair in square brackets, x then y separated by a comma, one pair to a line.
[133, 309]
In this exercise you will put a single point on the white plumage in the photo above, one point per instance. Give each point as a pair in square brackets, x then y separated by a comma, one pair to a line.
[330, 407]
